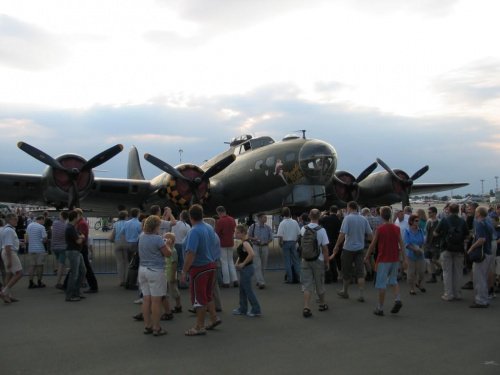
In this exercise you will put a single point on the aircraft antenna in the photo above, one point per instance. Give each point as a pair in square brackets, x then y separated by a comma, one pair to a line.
[303, 133]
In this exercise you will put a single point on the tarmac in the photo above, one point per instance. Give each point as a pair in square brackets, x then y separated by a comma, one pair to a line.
[43, 334]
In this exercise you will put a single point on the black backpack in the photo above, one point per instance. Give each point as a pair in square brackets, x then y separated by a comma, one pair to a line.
[454, 236]
[309, 243]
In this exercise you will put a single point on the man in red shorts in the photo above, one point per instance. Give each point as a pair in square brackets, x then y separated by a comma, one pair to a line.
[199, 260]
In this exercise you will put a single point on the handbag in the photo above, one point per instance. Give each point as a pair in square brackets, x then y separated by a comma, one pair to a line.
[134, 263]
[477, 255]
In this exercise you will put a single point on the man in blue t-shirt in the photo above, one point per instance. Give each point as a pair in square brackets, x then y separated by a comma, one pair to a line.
[483, 234]
[200, 262]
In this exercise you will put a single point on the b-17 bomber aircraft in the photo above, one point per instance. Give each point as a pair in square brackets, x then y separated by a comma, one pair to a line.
[253, 175]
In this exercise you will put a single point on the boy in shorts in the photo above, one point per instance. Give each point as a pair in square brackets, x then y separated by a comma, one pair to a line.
[171, 271]
[390, 245]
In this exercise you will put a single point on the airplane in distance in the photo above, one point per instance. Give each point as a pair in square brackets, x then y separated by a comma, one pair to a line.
[460, 201]
[252, 175]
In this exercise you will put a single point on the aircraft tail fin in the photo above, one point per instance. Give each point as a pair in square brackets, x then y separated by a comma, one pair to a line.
[134, 170]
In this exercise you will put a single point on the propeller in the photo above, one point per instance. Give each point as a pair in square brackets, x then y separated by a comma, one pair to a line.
[72, 173]
[193, 183]
[353, 185]
[405, 184]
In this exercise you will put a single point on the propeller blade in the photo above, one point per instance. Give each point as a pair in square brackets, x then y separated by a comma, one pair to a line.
[40, 156]
[102, 157]
[405, 198]
[73, 199]
[419, 173]
[389, 170]
[367, 172]
[218, 167]
[165, 167]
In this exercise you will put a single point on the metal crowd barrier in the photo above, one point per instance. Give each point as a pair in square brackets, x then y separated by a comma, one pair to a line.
[103, 258]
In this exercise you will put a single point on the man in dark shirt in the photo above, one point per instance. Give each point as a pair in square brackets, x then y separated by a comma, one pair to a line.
[331, 222]
[452, 254]
[83, 227]
[73, 254]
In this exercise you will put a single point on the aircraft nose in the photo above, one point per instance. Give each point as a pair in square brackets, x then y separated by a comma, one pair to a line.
[318, 161]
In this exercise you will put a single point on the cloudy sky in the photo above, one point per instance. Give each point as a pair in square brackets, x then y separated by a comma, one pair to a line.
[412, 82]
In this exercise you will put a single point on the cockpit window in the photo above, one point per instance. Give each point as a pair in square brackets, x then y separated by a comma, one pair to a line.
[317, 167]
[258, 165]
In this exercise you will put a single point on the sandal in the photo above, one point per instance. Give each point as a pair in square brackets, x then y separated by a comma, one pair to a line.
[196, 331]
[177, 310]
[412, 292]
[167, 316]
[159, 332]
[306, 312]
[5, 298]
[148, 330]
[138, 317]
[213, 323]
[323, 307]
[421, 288]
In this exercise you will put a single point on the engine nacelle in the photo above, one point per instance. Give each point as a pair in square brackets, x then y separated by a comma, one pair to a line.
[56, 183]
[344, 194]
[381, 188]
[182, 193]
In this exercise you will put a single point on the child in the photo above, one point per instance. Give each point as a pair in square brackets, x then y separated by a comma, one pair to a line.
[390, 245]
[171, 271]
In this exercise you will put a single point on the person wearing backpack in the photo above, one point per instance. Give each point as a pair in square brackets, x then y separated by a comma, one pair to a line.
[314, 244]
[453, 231]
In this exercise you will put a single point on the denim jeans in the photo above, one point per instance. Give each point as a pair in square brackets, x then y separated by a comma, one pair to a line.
[77, 272]
[246, 292]
[290, 254]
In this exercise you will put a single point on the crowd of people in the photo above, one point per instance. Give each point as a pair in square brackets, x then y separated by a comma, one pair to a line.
[197, 252]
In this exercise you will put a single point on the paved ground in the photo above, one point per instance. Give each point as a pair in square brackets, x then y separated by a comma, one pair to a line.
[43, 334]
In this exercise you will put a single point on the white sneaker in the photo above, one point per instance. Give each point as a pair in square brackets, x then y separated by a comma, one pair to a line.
[138, 302]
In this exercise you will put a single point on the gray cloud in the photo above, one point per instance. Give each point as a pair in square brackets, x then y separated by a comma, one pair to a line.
[471, 85]
[434, 8]
[28, 47]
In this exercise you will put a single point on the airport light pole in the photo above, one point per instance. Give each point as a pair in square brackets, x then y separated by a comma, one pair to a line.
[180, 155]
[496, 183]
[482, 189]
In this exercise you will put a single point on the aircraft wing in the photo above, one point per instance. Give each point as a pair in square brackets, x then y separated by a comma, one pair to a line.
[21, 188]
[105, 197]
[428, 188]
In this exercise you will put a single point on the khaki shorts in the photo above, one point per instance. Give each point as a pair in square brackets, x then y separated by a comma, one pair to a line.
[153, 282]
[37, 259]
[16, 263]
[312, 274]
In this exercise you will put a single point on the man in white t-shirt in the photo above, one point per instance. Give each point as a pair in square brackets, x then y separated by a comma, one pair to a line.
[312, 272]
